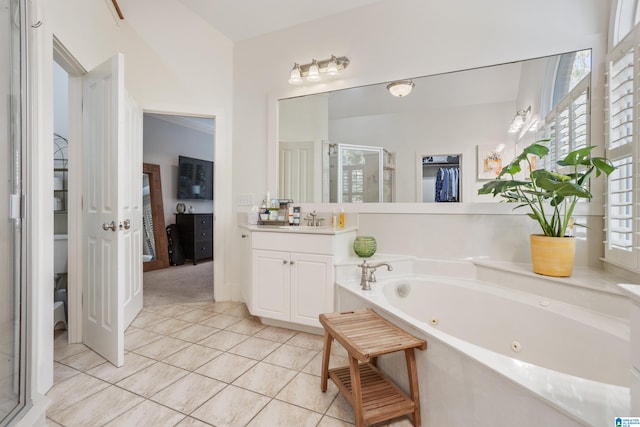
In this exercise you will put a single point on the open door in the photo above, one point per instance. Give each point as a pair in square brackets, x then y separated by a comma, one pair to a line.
[112, 211]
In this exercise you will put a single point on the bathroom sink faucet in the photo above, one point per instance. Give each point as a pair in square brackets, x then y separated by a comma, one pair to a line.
[313, 220]
[368, 273]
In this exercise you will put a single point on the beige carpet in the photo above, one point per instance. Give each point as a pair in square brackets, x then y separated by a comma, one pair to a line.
[179, 284]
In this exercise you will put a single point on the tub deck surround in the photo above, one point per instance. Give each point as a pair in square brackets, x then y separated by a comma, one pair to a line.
[468, 384]
[591, 288]
[633, 292]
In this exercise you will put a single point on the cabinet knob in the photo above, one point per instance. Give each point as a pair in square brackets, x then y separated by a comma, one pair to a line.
[244, 236]
[291, 262]
[284, 261]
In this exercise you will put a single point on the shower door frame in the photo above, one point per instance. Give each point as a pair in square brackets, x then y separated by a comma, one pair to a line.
[380, 152]
[16, 148]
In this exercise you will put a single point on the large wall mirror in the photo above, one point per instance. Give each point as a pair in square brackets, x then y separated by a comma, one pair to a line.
[155, 253]
[364, 145]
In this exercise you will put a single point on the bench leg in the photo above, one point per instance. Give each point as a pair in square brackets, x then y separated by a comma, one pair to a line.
[356, 391]
[326, 354]
[412, 372]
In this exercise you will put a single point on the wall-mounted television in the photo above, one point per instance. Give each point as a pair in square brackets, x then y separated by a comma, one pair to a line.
[195, 179]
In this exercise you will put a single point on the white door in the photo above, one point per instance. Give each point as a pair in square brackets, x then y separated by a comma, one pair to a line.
[130, 174]
[111, 213]
[296, 171]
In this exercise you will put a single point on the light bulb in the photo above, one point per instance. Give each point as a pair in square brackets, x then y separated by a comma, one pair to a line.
[314, 72]
[332, 67]
[295, 78]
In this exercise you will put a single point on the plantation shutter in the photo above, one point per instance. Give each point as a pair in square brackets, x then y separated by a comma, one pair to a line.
[622, 142]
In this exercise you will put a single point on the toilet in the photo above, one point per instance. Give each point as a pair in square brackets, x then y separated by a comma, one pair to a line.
[60, 257]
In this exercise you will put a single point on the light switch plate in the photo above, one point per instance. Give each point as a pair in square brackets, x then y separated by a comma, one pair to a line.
[245, 199]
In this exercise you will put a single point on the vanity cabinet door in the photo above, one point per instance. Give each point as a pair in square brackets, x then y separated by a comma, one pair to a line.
[311, 287]
[271, 284]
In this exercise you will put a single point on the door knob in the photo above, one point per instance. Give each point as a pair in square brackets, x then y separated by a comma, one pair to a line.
[127, 224]
[112, 226]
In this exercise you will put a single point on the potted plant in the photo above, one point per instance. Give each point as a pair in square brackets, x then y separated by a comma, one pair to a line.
[551, 198]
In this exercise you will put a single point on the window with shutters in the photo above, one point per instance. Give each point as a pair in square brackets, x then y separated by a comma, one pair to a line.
[566, 116]
[622, 85]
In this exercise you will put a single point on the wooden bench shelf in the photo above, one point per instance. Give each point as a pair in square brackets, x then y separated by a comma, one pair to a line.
[365, 336]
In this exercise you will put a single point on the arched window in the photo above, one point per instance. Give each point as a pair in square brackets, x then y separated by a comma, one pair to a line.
[626, 16]
[572, 68]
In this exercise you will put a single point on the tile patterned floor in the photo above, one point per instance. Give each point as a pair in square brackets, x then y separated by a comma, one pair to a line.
[199, 364]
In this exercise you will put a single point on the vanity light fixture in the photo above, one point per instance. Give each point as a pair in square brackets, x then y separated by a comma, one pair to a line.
[519, 119]
[312, 72]
[400, 88]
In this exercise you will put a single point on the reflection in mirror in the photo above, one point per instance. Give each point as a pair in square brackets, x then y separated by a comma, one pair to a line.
[155, 248]
[468, 113]
[149, 245]
[441, 178]
[359, 174]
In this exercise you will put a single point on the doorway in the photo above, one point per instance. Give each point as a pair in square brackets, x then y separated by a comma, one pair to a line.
[67, 122]
[166, 138]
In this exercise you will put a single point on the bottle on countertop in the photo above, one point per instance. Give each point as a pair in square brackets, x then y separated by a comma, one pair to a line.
[296, 215]
[341, 217]
[334, 219]
[290, 215]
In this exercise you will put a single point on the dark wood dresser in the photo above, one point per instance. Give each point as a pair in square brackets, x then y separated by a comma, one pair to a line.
[196, 235]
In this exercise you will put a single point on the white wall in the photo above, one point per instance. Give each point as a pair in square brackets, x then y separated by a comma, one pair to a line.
[397, 39]
[163, 143]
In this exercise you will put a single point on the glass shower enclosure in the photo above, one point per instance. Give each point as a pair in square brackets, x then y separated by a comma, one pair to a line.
[12, 328]
[359, 174]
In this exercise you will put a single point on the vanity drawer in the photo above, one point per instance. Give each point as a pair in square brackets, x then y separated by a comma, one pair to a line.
[293, 242]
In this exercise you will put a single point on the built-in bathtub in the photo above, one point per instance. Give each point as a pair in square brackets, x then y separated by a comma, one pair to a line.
[499, 356]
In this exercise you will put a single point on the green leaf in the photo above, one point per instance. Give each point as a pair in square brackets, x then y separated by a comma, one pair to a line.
[577, 157]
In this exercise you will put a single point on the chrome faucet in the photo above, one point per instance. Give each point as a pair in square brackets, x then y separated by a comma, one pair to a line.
[313, 220]
[368, 273]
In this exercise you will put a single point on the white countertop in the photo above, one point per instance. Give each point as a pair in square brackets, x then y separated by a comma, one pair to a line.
[300, 229]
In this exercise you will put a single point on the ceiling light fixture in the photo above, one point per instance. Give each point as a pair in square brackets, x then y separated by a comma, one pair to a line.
[400, 88]
[312, 72]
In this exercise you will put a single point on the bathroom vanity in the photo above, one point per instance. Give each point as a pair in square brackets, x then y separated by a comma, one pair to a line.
[292, 272]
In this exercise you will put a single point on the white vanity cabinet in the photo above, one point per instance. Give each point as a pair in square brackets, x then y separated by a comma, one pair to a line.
[293, 274]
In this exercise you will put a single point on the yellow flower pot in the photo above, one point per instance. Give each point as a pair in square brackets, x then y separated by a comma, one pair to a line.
[552, 256]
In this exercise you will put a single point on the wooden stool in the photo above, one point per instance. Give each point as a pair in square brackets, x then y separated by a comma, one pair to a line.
[365, 336]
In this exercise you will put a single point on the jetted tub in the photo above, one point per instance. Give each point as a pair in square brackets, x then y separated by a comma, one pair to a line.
[497, 355]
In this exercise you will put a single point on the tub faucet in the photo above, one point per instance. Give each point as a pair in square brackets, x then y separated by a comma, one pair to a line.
[368, 273]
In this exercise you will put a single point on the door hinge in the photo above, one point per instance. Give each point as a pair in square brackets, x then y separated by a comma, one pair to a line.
[15, 206]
